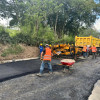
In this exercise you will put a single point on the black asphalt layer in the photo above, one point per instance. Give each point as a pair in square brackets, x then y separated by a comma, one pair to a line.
[21, 68]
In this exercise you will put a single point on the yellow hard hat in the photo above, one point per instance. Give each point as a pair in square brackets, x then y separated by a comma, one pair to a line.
[41, 44]
[93, 44]
[50, 45]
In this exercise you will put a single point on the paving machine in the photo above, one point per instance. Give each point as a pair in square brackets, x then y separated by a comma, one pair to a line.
[66, 51]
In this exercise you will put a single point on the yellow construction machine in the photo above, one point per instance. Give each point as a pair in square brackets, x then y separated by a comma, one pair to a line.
[66, 50]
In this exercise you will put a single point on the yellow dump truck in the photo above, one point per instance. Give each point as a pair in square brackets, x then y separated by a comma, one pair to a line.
[70, 50]
[81, 41]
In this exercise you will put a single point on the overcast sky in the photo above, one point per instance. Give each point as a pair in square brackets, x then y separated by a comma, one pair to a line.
[4, 22]
[97, 24]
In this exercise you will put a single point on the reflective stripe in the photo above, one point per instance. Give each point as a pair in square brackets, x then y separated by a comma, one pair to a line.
[47, 58]
[47, 55]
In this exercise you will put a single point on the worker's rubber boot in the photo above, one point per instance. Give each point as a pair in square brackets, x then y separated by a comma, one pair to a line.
[50, 73]
[39, 74]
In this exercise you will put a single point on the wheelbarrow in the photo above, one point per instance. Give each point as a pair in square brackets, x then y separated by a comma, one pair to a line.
[67, 64]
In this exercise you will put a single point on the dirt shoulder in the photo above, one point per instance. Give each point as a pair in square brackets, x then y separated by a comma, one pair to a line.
[28, 52]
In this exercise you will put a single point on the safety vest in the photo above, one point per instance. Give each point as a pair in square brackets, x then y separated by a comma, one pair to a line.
[94, 49]
[84, 48]
[47, 55]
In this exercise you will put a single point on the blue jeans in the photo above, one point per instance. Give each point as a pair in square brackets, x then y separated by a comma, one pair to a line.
[93, 55]
[84, 54]
[43, 64]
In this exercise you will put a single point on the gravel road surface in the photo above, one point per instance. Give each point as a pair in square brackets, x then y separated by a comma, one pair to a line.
[74, 85]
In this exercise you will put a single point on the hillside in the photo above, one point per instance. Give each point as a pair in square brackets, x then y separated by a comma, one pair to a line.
[27, 52]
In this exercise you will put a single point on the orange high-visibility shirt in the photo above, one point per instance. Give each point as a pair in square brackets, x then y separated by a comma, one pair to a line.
[47, 55]
[94, 49]
[84, 48]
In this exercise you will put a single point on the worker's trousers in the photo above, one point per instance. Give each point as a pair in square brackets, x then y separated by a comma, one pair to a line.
[43, 65]
[93, 55]
[84, 54]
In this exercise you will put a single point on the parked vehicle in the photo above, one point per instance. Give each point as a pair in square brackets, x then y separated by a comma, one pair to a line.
[74, 51]
[89, 41]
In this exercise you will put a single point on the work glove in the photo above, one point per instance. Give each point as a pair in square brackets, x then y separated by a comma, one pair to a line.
[41, 58]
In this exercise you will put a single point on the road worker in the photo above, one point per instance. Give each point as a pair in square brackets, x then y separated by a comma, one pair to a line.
[50, 46]
[94, 50]
[41, 48]
[72, 45]
[84, 51]
[88, 50]
[46, 59]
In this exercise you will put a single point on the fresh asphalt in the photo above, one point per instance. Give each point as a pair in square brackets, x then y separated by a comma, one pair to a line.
[20, 68]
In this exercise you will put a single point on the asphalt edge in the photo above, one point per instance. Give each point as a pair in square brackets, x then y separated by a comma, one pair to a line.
[95, 94]
[15, 60]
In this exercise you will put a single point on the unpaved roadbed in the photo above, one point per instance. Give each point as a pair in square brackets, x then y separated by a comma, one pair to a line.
[96, 92]
[76, 85]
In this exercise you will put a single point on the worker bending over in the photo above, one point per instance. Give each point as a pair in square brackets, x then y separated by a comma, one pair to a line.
[46, 57]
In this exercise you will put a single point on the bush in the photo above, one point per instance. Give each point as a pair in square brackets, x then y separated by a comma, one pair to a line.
[43, 35]
[65, 39]
[4, 36]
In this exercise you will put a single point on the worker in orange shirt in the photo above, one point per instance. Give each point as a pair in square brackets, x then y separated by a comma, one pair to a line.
[94, 50]
[46, 59]
[84, 51]
[90, 50]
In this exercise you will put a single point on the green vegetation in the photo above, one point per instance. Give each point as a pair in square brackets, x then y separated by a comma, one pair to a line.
[90, 31]
[48, 21]
[12, 49]
[4, 36]
[12, 32]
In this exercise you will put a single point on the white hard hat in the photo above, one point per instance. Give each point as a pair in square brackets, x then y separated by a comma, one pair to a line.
[47, 45]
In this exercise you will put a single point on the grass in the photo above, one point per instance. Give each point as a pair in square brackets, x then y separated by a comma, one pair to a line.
[12, 49]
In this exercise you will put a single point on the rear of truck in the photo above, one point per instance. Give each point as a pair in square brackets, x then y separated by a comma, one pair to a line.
[89, 41]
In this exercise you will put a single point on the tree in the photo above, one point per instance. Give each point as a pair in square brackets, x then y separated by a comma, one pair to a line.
[63, 16]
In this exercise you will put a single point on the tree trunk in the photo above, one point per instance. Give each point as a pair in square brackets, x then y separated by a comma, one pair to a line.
[55, 28]
[16, 11]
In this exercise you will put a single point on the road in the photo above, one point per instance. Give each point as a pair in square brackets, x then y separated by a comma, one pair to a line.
[76, 85]
[20, 68]
[15, 69]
